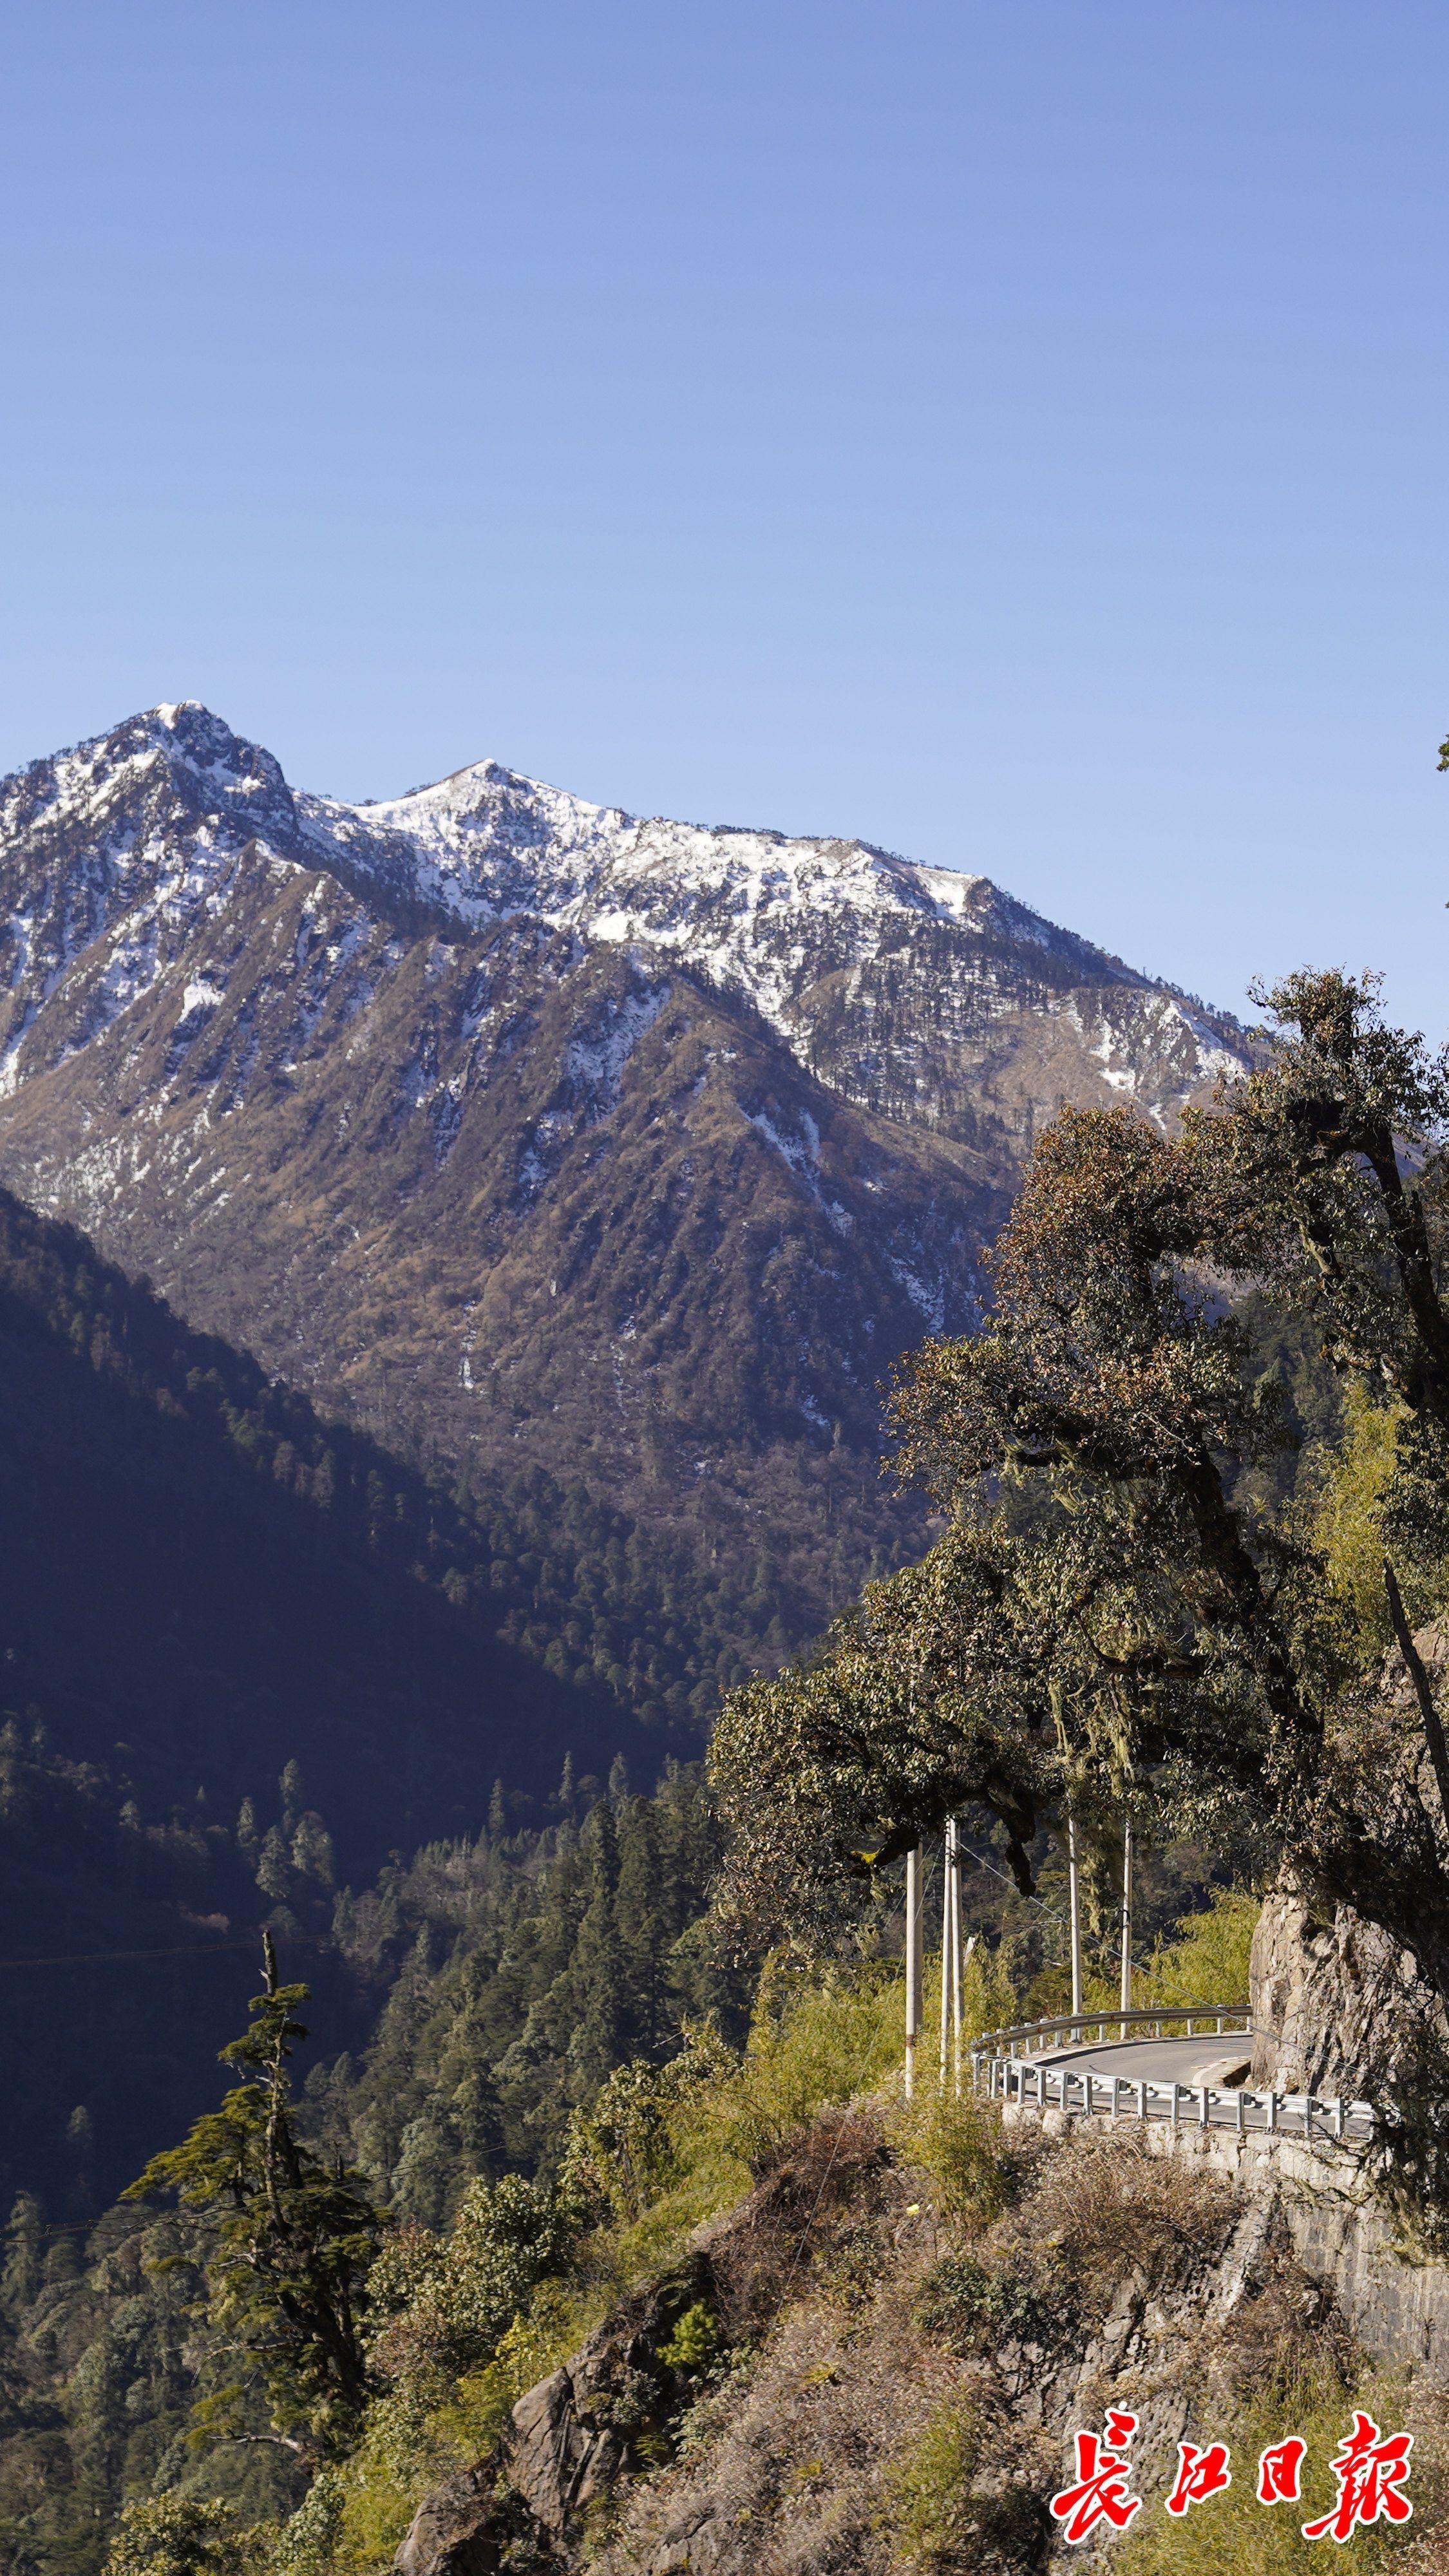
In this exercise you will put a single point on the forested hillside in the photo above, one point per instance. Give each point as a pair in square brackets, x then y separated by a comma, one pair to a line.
[490, 1987]
[195, 1558]
[208, 1592]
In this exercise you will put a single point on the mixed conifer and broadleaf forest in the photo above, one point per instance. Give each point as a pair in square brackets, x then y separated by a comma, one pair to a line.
[567, 1937]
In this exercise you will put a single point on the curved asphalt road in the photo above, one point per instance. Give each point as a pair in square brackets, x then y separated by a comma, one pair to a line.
[1214, 2057]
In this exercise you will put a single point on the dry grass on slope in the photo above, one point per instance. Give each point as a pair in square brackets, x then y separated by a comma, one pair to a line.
[906, 2369]
[783, 2462]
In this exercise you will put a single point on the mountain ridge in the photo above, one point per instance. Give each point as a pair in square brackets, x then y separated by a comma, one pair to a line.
[461, 846]
[520, 1130]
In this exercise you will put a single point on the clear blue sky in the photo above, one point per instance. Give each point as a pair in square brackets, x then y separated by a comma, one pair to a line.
[1012, 430]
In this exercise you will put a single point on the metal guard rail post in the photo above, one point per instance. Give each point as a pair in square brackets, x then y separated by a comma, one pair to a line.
[1026, 2038]
[1014, 2074]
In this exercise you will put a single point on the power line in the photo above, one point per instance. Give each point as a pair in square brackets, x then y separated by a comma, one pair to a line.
[181, 1950]
[1054, 1911]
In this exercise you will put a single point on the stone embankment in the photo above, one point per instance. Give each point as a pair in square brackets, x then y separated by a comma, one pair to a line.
[1321, 2200]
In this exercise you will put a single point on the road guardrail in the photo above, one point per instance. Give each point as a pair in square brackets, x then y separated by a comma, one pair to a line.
[1029, 2037]
[1015, 2065]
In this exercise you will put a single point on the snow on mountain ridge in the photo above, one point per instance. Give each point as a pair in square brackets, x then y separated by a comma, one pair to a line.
[581, 1139]
[749, 908]
[155, 818]
[487, 841]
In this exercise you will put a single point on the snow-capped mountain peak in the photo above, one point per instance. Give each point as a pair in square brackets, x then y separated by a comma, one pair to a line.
[120, 847]
[538, 1133]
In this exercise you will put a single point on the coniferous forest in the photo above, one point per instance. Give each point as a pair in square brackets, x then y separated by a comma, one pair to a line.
[539, 2024]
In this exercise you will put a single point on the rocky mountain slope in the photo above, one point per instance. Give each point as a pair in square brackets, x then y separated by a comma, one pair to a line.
[524, 1131]
[878, 2378]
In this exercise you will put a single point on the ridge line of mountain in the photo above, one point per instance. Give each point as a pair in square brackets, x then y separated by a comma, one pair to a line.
[532, 1136]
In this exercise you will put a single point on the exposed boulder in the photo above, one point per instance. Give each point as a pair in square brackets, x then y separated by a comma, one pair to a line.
[603, 2414]
[454, 2531]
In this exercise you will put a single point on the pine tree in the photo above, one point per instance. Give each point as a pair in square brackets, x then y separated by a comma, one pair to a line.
[24, 2257]
[294, 1797]
[80, 2147]
[274, 1866]
[312, 1849]
[567, 1794]
[596, 1973]
[644, 1931]
[291, 2239]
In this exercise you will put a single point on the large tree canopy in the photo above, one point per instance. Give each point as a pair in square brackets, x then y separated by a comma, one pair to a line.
[1111, 1612]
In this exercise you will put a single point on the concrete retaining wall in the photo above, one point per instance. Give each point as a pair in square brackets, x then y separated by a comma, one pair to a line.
[1398, 2309]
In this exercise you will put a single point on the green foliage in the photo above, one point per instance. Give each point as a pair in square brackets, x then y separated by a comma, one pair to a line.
[1352, 1489]
[290, 2240]
[623, 2154]
[1146, 1632]
[912, 1715]
[471, 2317]
[813, 2042]
[953, 2138]
[455, 2296]
[931, 2484]
[176, 2535]
[1207, 1961]
[928, 2488]
[506, 1962]
[968, 2308]
[307, 2544]
[471, 1952]
[694, 2342]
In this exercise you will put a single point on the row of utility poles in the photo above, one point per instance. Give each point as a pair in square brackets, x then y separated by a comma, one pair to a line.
[954, 1956]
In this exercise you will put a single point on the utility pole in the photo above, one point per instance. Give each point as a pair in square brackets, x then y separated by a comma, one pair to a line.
[1126, 1918]
[965, 1963]
[954, 1830]
[946, 1958]
[913, 1963]
[951, 1957]
[1075, 1895]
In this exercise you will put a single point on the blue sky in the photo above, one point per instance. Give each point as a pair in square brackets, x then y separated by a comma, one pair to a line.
[1016, 434]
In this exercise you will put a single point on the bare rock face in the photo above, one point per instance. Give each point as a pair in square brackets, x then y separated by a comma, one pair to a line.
[1333, 2002]
[561, 2459]
[1337, 2004]
[453, 2532]
[606, 2414]
[598, 2418]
